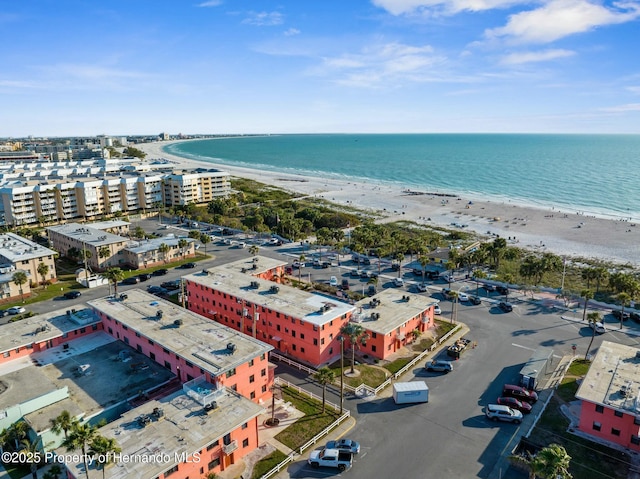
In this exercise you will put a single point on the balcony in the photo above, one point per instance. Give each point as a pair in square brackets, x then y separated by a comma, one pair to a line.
[229, 448]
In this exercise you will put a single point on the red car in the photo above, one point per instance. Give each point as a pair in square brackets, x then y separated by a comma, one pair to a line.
[518, 392]
[513, 403]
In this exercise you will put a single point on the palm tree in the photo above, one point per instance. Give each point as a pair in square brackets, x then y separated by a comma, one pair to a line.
[182, 243]
[54, 472]
[114, 275]
[553, 462]
[104, 252]
[478, 275]
[593, 318]
[32, 450]
[600, 274]
[624, 299]
[20, 278]
[254, 250]
[454, 305]
[104, 450]
[324, 376]
[587, 295]
[81, 436]
[205, 239]
[399, 257]
[164, 249]
[423, 259]
[139, 232]
[301, 259]
[356, 334]
[42, 270]
[63, 423]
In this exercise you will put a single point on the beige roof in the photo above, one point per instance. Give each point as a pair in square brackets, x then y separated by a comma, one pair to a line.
[613, 380]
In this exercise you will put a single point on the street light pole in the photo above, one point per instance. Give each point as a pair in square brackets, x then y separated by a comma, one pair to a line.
[564, 272]
[341, 339]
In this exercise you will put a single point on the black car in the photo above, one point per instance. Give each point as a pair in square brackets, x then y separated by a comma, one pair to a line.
[488, 288]
[131, 280]
[635, 316]
[188, 266]
[345, 284]
[620, 315]
[157, 290]
[325, 264]
[171, 285]
[160, 272]
[475, 300]
[506, 307]
[144, 276]
[72, 294]
[502, 290]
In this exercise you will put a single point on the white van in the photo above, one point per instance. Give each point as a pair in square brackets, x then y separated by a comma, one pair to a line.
[599, 327]
[496, 412]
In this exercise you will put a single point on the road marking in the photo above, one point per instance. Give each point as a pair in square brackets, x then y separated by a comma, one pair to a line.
[523, 347]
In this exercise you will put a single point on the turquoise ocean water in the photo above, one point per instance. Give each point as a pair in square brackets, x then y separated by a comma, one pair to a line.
[594, 174]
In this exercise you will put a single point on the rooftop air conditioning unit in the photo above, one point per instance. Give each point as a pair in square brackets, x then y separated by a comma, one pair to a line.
[177, 322]
[159, 314]
[231, 347]
[254, 284]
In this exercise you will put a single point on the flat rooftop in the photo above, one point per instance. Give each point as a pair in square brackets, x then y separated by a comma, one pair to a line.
[15, 248]
[184, 427]
[287, 300]
[152, 244]
[87, 234]
[105, 225]
[195, 338]
[252, 265]
[43, 327]
[394, 309]
[613, 380]
[105, 381]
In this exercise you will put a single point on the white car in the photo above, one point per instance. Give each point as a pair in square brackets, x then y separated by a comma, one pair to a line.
[463, 296]
[437, 310]
[399, 282]
[299, 264]
[16, 310]
[333, 281]
[598, 327]
[422, 288]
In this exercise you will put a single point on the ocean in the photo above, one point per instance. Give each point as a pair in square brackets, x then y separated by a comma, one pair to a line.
[594, 174]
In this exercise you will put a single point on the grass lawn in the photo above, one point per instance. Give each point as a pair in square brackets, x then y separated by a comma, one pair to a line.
[267, 463]
[443, 327]
[312, 423]
[370, 375]
[395, 366]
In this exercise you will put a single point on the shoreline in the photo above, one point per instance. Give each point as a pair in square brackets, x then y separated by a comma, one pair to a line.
[564, 233]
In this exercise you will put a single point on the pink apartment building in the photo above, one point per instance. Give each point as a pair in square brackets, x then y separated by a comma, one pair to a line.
[299, 324]
[610, 395]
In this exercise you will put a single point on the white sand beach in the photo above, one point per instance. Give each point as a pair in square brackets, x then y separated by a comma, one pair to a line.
[561, 232]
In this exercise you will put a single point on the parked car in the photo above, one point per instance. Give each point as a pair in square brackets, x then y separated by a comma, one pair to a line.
[354, 273]
[188, 266]
[157, 289]
[475, 300]
[144, 276]
[3, 313]
[497, 412]
[131, 280]
[398, 282]
[422, 288]
[364, 274]
[635, 316]
[439, 366]
[72, 294]
[446, 293]
[160, 272]
[489, 288]
[333, 281]
[522, 406]
[371, 290]
[436, 309]
[506, 307]
[345, 284]
[299, 264]
[325, 264]
[171, 285]
[598, 327]
[463, 296]
[16, 310]
[288, 270]
[502, 290]
[619, 314]
[518, 392]
[344, 445]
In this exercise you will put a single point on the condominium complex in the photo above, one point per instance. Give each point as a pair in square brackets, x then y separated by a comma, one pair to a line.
[36, 192]
[305, 326]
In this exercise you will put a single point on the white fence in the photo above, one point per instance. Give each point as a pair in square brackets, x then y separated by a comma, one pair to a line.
[291, 456]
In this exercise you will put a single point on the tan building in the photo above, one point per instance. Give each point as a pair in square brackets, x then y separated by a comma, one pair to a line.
[147, 253]
[200, 187]
[23, 254]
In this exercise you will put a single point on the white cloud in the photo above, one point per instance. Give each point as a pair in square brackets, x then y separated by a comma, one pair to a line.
[383, 64]
[210, 3]
[560, 18]
[413, 7]
[622, 108]
[291, 32]
[262, 19]
[533, 57]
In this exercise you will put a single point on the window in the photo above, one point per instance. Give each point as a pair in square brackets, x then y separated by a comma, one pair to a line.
[263, 372]
[171, 471]
[315, 341]
[262, 356]
[301, 335]
[231, 372]
[215, 463]
[251, 363]
[252, 395]
[245, 443]
[599, 408]
[618, 413]
[635, 440]
[245, 425]
[167, 365]
[321, 340]
[597, 426]
[264, 388]
[636, 420]
[374, 335]
[293, 346]
[152, 356]
[151, 342]
[252, 378]
[302, 350]
[373, 348]
[615, 432]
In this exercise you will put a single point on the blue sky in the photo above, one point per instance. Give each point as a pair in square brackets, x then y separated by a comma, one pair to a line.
[89, 67]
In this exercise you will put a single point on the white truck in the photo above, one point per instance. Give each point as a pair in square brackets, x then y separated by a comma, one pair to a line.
[411, 392]
[330, 458]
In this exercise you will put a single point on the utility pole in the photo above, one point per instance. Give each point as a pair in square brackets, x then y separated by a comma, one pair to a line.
[341, 339]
